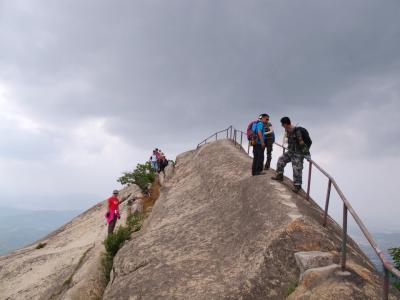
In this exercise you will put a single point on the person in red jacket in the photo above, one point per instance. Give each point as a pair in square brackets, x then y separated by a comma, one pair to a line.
[113, 212]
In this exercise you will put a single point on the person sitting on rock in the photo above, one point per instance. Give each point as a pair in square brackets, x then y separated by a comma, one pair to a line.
[113, 212]
[297, 151]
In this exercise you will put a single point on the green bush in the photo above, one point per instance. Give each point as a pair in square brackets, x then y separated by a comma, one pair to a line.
[395, 253]
[106, 264]
[134, 222]
[142, 176]
[115, 241]
[291, 288]
[41, 245]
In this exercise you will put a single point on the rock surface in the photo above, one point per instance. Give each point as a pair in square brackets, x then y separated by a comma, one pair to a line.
[67, 267]
[328, 283]
[216, 232]
[313, 259]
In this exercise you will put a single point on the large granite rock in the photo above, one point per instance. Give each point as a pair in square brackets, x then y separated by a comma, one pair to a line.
[68, 266]
[216, 232]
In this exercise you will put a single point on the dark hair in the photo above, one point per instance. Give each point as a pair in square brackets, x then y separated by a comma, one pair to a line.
[264, 115]
[285, 120]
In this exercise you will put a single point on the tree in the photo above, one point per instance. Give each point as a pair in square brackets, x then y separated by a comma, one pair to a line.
[142, 176]
[395, 253]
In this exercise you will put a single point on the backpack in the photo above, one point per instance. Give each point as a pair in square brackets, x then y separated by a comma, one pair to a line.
[306, 136]
[251, 134]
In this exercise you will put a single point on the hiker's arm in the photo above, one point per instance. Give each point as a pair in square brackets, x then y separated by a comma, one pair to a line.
[271, 130]
[261, 137]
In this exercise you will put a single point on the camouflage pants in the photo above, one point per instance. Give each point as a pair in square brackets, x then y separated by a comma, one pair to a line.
[297, 165]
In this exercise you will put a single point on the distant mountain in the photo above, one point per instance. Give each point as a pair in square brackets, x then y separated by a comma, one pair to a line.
[19, 227]
[384, 240]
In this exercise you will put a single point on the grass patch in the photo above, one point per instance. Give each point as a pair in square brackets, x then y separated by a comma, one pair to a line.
[291, 288]
[41, 245]
[134, 221]
[114, 242]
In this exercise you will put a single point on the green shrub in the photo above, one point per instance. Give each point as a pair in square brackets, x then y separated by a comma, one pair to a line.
[41, 245]
[142, 176]
[134, 222]
[395, 253]
[291, 288]
[106, 265]
[114, 241]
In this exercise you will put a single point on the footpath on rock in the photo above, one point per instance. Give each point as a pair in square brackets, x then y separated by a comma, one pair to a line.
[216, 232]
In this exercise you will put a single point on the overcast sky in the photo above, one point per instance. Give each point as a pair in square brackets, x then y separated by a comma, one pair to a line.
[88, 88]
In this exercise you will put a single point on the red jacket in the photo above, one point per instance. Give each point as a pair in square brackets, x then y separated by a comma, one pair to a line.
[113, 208]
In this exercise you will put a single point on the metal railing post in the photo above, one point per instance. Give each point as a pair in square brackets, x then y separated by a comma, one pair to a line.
[241, 139]
[386, 283]
[227, 133]
[344, 238]
[309, 180]
[328, 194]
[248, 149]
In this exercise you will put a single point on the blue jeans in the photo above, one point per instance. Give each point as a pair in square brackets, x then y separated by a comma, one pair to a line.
[154, 165]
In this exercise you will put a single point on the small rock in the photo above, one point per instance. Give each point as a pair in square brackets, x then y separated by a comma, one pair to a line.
[312, 259]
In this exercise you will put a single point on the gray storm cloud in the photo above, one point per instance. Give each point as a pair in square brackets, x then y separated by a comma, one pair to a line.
[167, 73]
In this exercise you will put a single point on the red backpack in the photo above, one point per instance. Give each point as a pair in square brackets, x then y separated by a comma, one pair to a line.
[251, 134]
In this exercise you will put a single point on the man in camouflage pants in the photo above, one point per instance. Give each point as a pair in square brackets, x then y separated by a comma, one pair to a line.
[297, 151]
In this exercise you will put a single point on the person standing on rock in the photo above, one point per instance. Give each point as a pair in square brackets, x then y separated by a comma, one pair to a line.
[259, 146]
[297, 151]
[269, 141]
[153, 161]
[113, 212]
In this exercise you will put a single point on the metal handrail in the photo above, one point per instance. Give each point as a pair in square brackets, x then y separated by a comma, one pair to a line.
[234, 134]
[228, 134]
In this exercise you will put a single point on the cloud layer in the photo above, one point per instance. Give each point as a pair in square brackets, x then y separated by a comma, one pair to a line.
[89, 87]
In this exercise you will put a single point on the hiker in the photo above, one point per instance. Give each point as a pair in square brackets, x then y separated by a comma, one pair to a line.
[299, 144]
[153, 161]
[269, 142]
[256, 136]
[113, 212]
[163, 162]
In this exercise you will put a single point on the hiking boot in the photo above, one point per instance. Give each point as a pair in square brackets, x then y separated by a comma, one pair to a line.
[278, 177]
[296, 188]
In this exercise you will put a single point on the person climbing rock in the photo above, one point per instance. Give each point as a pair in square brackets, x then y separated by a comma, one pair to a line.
[259, 145]
[269, 141]
[299, 144]
[113, 212]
